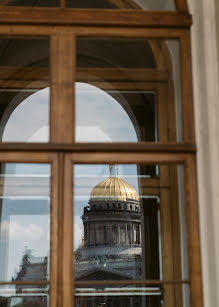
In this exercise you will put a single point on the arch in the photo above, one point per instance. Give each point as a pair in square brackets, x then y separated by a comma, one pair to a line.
[156, 50]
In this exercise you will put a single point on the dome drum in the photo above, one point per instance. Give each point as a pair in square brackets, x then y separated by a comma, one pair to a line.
[132, 206]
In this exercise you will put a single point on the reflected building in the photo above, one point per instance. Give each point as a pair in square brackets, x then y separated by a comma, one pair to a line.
[111, 247]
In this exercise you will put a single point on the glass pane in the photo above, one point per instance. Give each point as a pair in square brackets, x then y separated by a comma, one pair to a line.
[24, 222]
[20, 296]
[123, 4]
[128, 225]
[24, 89]
[132, 296]
[128, 90]
[32, 3]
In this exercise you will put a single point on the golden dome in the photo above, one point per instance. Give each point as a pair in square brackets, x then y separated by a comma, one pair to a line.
[113, 189]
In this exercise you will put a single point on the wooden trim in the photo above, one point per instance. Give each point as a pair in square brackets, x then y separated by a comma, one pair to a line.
[192, 213]
[62, 57]
[166, 242]
[26, 157]
[63, 4]
[96, 31]
[91, 17]
[187, 89]
[162, 114]
[128, 158]
[84, 74]
[140, 147]
[176, 223]
[87, 74]
[67, 234]
[54, 232]
[181, 6]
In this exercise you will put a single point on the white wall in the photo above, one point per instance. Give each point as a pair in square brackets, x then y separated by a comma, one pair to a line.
[205, 54]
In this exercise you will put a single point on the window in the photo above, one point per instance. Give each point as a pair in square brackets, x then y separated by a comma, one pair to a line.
[97, 153]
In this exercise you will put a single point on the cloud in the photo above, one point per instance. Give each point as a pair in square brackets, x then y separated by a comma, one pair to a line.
[17, 231]
[78, 233]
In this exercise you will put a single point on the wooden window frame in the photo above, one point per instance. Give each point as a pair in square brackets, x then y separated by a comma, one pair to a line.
[63, 27]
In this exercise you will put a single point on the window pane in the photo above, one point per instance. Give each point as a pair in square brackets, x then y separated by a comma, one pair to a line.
[127, 225]
[24, 222]
[123, 4]
[24, 89]
[19, 296]
[132, 296]
[128, 90]
[32, 3]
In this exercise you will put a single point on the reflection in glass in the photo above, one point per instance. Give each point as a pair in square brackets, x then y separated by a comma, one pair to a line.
[129, 226]
[123, 4]
[32, 3]
[24, 92]
[119, 296]
[129, 296]
[128, 90]
[24, 222]
[19, 296]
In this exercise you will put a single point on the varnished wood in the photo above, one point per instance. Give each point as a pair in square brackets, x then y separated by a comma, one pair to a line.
[54, 233]
[167, 247]
[162, 101]
[67, 246]
[63, 4]
[192, 214]
[181, 6]
[62, 89]
[187, 94]
[26, 157]
[94, 147]
[84, 74]
[97, 31]
[91, 17]
[176, 221]
[61, 226]
[128, 158]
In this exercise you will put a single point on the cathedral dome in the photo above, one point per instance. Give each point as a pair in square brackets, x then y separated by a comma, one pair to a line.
[113, 188]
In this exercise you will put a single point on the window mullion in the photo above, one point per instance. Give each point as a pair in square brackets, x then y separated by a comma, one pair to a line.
[62, 89]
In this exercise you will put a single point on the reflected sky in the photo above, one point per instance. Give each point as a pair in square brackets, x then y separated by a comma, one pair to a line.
[24, 219]
[99, 118]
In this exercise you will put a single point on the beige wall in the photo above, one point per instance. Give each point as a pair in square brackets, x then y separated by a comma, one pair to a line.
[205, 52]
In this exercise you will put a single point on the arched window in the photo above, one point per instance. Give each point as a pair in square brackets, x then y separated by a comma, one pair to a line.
[98, 202]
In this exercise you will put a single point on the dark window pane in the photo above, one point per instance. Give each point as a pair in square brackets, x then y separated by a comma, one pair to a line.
[32, 3]
[24, 90]
[123, 4]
